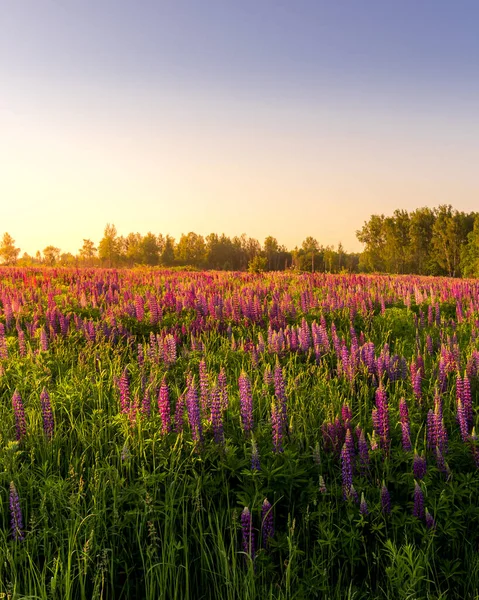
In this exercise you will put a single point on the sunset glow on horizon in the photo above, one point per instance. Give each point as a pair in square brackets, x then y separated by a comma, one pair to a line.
[260, 118]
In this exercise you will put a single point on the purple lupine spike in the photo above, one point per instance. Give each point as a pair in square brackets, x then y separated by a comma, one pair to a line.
[441, 463]
[277, 427]
[19, 413]
[430, 523]
[193, 409]
[382, 417]
[255, 460]
[461, 417]
[223, 389]
[363, 452]
[267, 522]
[248, 533]
[3, 343]
[43, 340]
[418, 509]
[246, 402]
[179, 413]
[47, 414]
[431, 438]
[363, 507]
[350, 444]
[146, 403]
[279, 390]
[385, 500]
[405, 425]
[217, 416]
[268, 377]
[141, 356]
[204, 389]
[16, 518]
[346, 472]
[164, 407]
[139, 308]
[467, 400]
[22, 346]
[169, 349]
[419, 466]
[154, 311]
[124, 387]
[346, 414]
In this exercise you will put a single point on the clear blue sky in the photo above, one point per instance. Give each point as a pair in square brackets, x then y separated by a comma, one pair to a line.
[289, 118]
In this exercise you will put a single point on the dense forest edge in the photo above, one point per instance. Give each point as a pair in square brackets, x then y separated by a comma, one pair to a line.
[426, 241]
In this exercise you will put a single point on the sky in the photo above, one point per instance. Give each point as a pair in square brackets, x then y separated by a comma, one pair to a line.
[268, 117]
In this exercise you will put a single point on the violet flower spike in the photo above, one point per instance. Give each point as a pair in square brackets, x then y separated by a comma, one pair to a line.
[267, 521]
[16, 514]
[248, 533]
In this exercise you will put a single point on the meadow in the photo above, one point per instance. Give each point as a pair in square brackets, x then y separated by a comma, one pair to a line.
[200, 435]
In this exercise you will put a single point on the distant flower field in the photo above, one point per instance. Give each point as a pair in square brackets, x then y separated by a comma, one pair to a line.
[230, 435]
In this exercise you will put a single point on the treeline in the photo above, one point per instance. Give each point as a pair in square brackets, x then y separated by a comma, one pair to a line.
[214, 251]
[439, 241]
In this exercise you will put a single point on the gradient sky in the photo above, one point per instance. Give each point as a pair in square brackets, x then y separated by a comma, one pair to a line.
[285, 118]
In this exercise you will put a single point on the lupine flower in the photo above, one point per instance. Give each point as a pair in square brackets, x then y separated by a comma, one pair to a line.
[217, 416]
[346, 414]
[279, 390]
[248, 533]
[346, 471]
[363, 453]
[164, 407]
[255, 460]
[385, 500]
[16, 514]
[19, 412]
[382, 417]
[43, 340]
[418, 509]
[47, 414]
[204, 388]
[430, 523]
[193, 409]
[267, 522]
[246, 402]
[146, 404]
[419, 466]
[169, 349]
[363, 507]
[277, 427]
[405, 426]
[22, 347]
[179, 413]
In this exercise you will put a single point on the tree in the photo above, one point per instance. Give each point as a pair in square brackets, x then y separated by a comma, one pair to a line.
[191, 249]
[258, 264]
[420, 235]
[167, 257]
[8, 252]
[373, 236]
[88, 252]
[149, 250]
[108, 249]
[51, 255]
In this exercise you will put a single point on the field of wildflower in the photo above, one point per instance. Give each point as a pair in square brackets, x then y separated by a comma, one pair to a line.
[200, 435]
